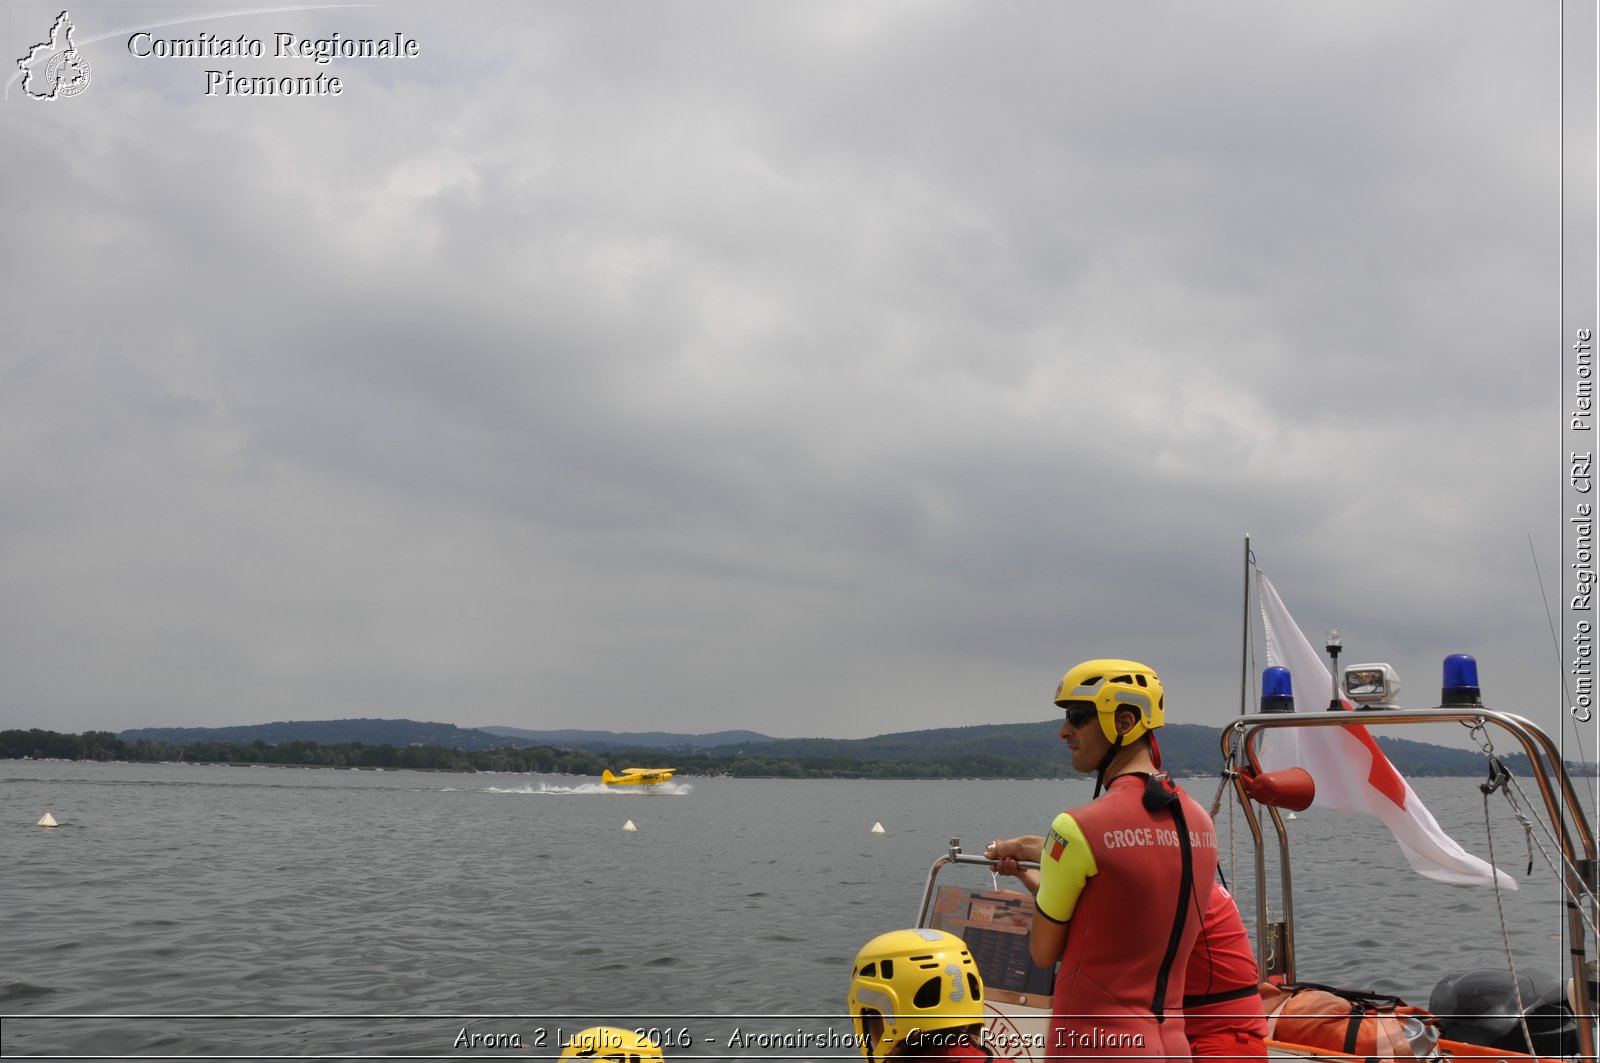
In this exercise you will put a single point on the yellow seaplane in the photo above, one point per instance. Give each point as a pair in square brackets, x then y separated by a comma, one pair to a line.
[638, 776]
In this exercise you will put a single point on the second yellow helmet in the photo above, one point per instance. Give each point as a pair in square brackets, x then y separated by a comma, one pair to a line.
[612, 1044]
[908, 983]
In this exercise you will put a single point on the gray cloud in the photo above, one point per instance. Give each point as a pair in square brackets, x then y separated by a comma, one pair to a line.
[832, 368]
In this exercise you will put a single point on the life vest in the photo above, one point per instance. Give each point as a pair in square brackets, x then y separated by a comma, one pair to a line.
[1355, 1022]
[1119, 898]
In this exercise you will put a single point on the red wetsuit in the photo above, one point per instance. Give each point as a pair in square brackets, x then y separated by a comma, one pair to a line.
[1111, 872]
[1221, 990]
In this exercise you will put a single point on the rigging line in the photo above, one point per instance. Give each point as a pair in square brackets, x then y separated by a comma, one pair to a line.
[1233, 834]
[1575, 897]
[1519, 806]
[1216, 802]
[1224, 783]
[1561, 668]
[1505, 935]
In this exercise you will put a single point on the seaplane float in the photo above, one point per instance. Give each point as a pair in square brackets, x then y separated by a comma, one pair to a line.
[638, 776]
[1511, 1015]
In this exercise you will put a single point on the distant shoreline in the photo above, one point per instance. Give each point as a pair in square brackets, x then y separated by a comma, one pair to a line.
[983, 751]
[571, 775]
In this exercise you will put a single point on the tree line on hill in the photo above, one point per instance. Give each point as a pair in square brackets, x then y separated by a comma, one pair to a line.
[38, 744]
[1009, 751]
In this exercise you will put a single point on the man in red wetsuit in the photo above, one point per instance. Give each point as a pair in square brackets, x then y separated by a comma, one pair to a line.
[917, 993]
[1222, 1015]
[1123, 882]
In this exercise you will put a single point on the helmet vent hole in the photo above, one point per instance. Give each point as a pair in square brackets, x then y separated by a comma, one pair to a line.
[886, 970]
[928, 995]
[973, 988]
[869, 971]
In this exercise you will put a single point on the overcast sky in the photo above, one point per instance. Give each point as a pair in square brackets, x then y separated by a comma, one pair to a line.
[831, 368]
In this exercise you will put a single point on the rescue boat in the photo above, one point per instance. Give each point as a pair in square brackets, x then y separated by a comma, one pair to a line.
[1482, 1014]
[637, 776]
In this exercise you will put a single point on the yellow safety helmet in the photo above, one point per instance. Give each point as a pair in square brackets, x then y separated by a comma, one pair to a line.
[908, 982]
[613, 1044]
[1110, 685]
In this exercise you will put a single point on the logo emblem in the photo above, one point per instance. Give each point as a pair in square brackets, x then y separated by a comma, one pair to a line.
[55, 69]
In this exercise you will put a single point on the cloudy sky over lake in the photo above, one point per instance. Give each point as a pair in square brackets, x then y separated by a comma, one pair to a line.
[819, 368]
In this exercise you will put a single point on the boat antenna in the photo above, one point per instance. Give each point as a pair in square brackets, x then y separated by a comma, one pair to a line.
[1555, 643]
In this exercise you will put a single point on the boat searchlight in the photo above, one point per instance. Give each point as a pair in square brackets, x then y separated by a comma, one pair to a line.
[1372, 686]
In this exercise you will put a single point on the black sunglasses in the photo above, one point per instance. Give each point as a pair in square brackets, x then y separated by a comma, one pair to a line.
[1079, 714]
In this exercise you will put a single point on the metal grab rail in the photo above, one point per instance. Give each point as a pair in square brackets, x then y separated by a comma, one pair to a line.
[954, 855]
[1562, 806]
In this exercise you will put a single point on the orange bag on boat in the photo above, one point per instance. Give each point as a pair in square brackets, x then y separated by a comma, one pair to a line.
[1355, 1022]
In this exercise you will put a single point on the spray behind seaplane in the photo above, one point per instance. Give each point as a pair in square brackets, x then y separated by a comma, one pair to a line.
[632, 782]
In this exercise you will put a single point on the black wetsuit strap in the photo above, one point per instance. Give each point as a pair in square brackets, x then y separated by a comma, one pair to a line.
[1206, 999]
[1185, 890]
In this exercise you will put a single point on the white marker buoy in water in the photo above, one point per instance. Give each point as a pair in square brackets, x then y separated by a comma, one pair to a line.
[877, 828]
[1290, 816]
[629, 826]
[47, 820]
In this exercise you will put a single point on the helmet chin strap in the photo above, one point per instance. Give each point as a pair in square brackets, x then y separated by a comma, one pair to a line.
[1105, 762]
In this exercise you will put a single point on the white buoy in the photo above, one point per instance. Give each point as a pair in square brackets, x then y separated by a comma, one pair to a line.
[629, 826]
[1291, 815]
[47, 820]
[877, 828]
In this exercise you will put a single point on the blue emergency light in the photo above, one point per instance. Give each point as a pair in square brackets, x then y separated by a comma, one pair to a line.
[1277, 691]
[1460, 682]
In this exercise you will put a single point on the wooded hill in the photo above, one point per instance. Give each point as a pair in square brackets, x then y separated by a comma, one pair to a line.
[1013, 750]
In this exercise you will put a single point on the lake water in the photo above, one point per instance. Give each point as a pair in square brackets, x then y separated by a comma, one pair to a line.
[184, 911]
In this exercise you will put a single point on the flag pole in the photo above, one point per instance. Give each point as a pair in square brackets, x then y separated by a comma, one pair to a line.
[1244, 637]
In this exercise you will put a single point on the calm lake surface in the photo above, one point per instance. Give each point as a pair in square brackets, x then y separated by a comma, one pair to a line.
[184, 911]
